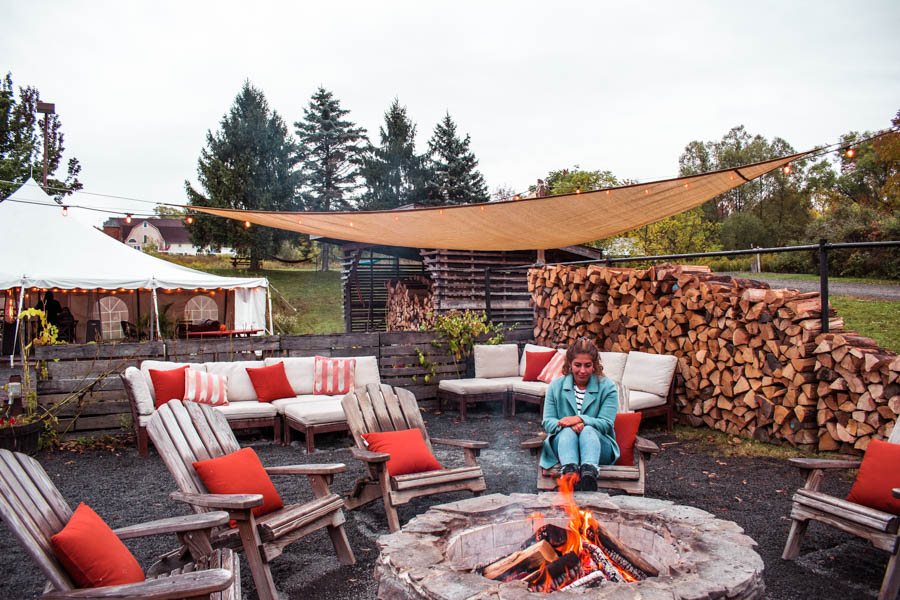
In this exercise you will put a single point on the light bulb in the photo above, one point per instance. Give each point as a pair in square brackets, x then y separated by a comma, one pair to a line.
[65, 211]
[787, 169]
[128, 219]
[851, 152]
[246, 224]
[189, 220]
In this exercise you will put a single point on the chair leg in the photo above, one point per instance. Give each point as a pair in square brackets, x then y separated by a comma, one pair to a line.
[341, 544]
[286, 434]
[890, 586]
[669, 415]
[462, 408]
[310, 441]
[142, 440]
[279, 437]
[393, 519]
[262, 576]
[792, 546]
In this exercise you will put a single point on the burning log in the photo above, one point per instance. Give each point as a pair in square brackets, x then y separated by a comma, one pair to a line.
[551, 575]
[527, 560]
[624, 555]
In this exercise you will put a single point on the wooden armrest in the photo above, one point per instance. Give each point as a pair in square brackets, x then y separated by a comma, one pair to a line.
[174, 525]
[821, 463]
[461, 443]
[369, 456]
[326, 469]
[185, 585]
[645, 445]
[223, 501]
[535, 442]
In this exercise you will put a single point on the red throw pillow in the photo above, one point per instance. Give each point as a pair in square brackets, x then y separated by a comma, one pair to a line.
[92, 554]
[271, 383]
[535, 363]
[240, 472]
[168, 384]
[409, 453]
[334, 376]
[626, 427]
[878, 474]
[205, 388]
[553, 369]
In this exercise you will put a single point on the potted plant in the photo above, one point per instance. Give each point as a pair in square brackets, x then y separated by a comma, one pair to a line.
[459, 330]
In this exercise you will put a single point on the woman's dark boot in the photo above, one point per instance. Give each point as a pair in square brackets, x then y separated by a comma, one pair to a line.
[588, 481]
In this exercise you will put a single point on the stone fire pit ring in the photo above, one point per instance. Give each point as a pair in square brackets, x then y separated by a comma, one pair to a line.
[698, 556]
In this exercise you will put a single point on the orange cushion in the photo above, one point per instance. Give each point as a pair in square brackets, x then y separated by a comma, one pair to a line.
[240, 472]
[92, 554]
[333, 375]
[626, 427]
[878, 474]
[271, 383]
[168, 384]
[409, 453]
[535, 363]
[553, 369]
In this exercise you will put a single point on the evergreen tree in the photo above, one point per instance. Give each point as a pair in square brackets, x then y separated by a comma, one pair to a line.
[247, 164]
[22, 142]
[330, 154]
[393, 172]
[452, 176]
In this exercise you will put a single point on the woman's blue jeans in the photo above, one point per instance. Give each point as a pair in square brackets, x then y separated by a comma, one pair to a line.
[584, 448]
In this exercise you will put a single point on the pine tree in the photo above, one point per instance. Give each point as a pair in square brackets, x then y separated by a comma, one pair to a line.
[247, 164]
[22, 142]
[393, 172]
[330, 153]
[452, 177]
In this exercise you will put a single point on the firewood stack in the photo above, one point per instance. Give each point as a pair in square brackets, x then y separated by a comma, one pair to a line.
[410, 304]
[752, 360]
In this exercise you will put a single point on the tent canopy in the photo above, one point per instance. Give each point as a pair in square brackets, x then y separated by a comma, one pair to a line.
[527, 224]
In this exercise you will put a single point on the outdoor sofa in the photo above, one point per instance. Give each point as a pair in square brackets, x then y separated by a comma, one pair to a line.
[305, 411]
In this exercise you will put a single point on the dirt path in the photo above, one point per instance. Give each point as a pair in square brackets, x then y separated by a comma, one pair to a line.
[863, 290]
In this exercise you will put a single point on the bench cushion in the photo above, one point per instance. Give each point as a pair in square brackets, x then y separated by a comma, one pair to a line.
[613, 364]
[240, 388]
[533, 388]
[164, 365]
[316, 412]
[282, 403]
[531, 348]
[649, 373]
[248, 410]
[638, 400]
[500, 360]
[478, 385]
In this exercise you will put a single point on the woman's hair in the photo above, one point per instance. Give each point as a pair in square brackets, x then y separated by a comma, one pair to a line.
[583, 346]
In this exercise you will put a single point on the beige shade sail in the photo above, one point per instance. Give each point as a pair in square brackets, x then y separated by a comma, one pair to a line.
[526, 224]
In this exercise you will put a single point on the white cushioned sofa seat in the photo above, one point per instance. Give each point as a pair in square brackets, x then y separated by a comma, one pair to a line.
[474, 386]
[322, 409]
[248, 410]
[532, 388]
[638, 400]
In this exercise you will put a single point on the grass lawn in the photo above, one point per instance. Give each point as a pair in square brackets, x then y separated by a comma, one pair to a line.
[861, 280]
[877, 319]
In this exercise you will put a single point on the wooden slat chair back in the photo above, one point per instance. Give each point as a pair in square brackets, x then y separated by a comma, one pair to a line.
[187, 432]
[879, 527]
[382, 408]
[34, 510]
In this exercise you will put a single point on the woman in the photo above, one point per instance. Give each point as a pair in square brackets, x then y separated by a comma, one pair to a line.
[579, 411]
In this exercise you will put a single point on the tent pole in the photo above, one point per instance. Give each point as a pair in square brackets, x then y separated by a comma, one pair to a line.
[18, 320]
[269, 298]
[156, 314]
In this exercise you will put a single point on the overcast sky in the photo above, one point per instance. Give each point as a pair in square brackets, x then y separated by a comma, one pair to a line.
[539, 86]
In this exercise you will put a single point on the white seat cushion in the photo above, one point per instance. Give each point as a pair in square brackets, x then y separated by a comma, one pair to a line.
[649, 373]
[473, 386]
[613, 364]
[316, 412]
[501, 360]
[531, 348]
[282, 403]
[240, 388]
[248, 410]
[533, 388]
[163, 365]
[641, 400]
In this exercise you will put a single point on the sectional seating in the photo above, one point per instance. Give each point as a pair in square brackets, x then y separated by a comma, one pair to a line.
[306, 411]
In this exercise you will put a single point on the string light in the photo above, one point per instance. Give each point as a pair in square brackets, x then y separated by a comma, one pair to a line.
[517, 197]
[578, 190]
[246, 224]
[686, 185]
[128, 219]
[851, 152]
[65, 211]
[189, 220]
[787, 169]
[396, 218]
[299, 221]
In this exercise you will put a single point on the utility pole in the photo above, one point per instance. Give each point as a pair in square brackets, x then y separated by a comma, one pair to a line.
[47, 109]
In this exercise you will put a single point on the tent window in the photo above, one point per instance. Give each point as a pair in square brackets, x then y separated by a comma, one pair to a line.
[201, 308]
[111, 311]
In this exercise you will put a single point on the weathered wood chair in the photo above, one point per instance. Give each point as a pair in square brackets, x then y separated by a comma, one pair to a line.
[186, 432]
[879, 527]
[34, 510]
[628, 478]
[378, 408]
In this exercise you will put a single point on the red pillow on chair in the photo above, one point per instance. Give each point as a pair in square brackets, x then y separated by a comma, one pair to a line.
[535, 363]
[271, 383]
[240, 472]
[92, 554]
[409, 453]
[626, 427]
[168, 384]
[878, 474]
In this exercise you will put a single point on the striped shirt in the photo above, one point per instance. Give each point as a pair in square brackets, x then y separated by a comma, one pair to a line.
[579, 398]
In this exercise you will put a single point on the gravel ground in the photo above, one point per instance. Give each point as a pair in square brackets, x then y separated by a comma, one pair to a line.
[754, 492]
[862, 290]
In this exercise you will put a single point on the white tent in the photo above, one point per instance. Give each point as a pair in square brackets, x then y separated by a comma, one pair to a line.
[42, 249]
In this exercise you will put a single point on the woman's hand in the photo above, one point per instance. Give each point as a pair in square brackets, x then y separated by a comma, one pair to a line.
[572, 422]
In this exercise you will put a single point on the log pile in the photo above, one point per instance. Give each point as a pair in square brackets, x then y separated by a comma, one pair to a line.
[410, 304]
[752, 360]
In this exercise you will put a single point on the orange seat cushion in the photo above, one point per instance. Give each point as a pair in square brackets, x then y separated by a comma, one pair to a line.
[92, 554]
[168, 384]
[240, 472]
[535, 363]
[878, 474]
[626, 427]
[271, 383]
[409, 453]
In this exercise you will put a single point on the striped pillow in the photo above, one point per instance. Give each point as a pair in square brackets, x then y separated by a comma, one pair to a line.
[205, 388]
[554, 368]
[334, 376]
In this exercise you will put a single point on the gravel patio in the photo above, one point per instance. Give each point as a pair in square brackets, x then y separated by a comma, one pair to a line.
[754, 492]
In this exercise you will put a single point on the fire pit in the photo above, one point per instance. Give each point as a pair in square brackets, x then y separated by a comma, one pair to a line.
[685, 552]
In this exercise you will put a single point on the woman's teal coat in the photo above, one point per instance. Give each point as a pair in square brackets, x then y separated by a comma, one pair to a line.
[601, 402]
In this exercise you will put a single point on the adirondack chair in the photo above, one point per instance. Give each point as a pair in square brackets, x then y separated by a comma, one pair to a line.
[34, 510]
[187, 432]
[879, 527]
[630, 479]
[379, 408]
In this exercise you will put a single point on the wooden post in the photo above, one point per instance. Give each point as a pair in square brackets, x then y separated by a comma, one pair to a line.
[823, 283]
[487, 293]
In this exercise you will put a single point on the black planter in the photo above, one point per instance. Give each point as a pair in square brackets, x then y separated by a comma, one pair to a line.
[21, 438]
